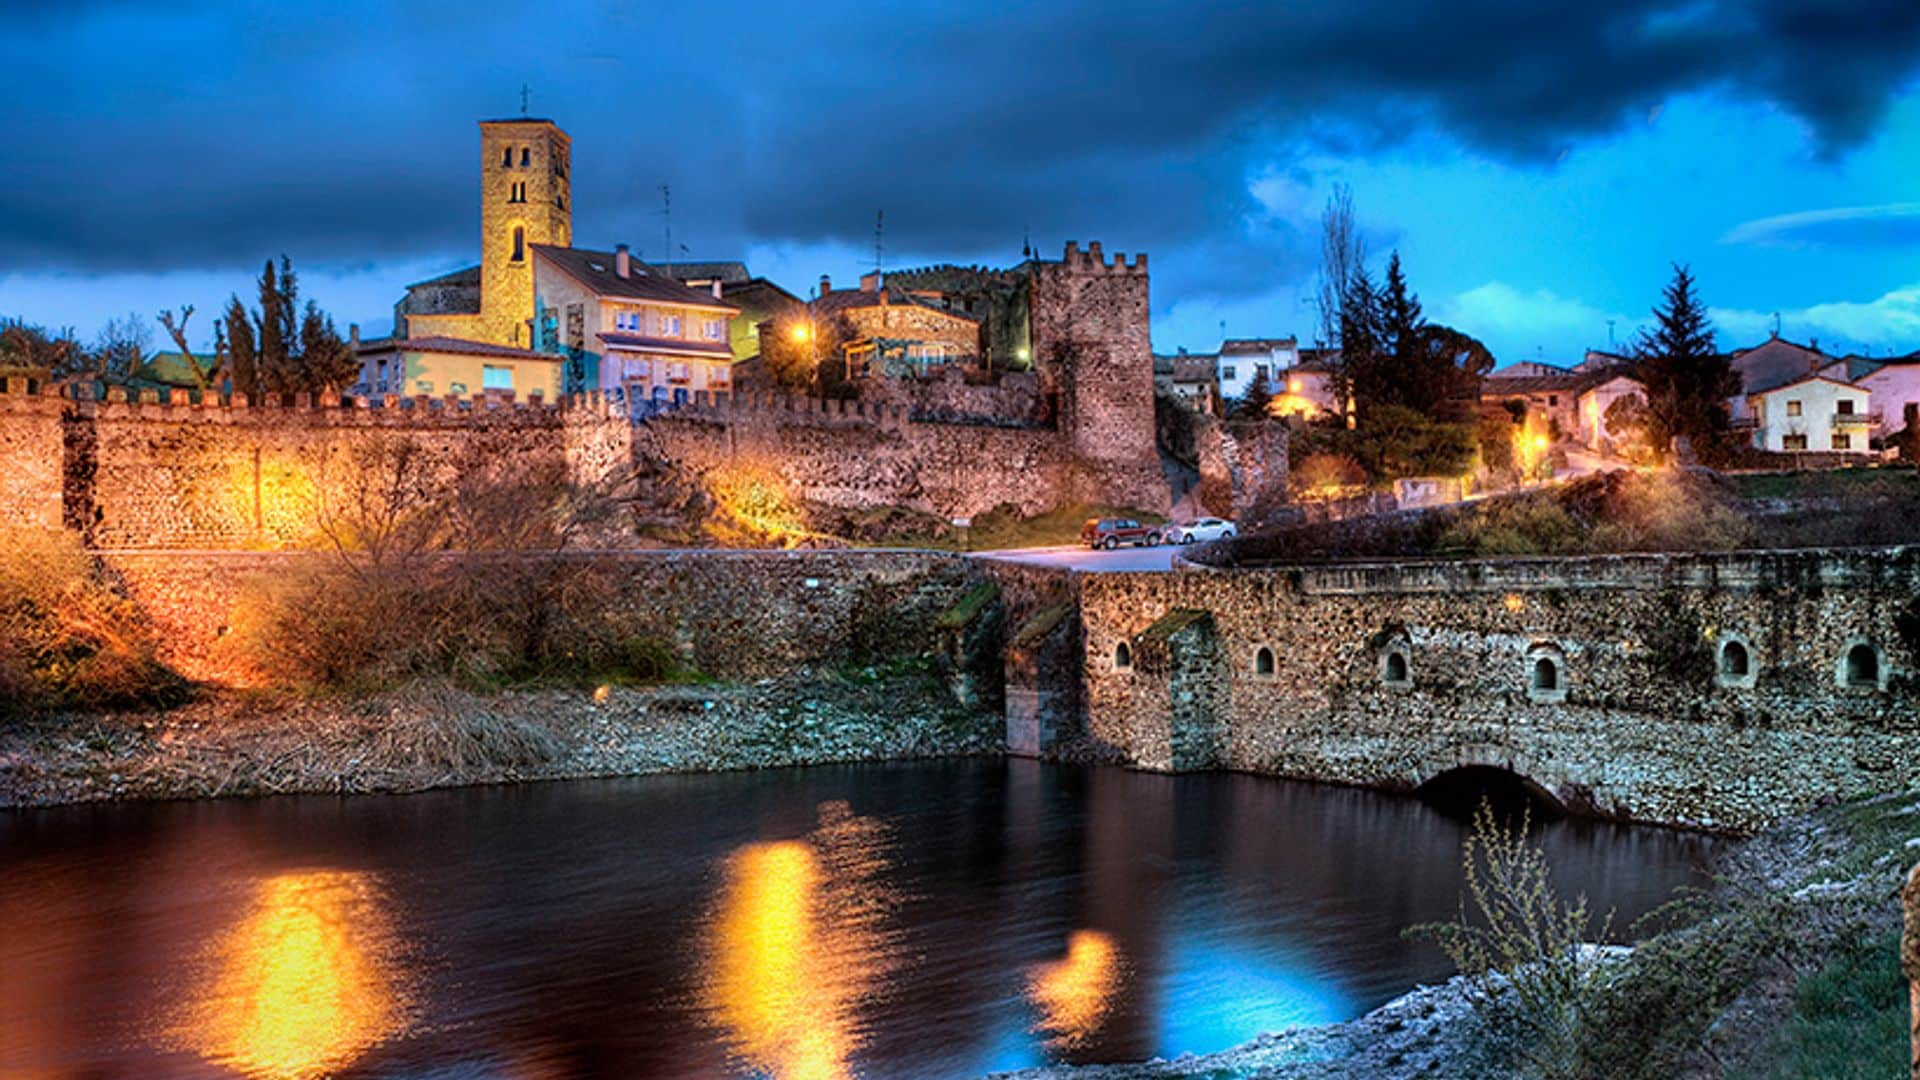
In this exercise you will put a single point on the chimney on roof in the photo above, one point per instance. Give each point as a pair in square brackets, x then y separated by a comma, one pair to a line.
[716, 288]
[353, 336]
[826, 284]
[622, 261]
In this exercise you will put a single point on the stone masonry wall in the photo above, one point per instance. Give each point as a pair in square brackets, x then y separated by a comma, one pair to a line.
[31, 450]
[1090, 325]
[1641, 726]
[223, 474]
[734, 615]
[858, 454]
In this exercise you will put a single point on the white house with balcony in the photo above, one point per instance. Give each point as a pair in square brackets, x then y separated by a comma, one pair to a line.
[1814, 413]
[629, 329]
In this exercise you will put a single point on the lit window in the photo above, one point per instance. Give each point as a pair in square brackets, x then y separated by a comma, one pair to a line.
[496, 378]
[1793, 408]
[1793, 442]
[1842, 441]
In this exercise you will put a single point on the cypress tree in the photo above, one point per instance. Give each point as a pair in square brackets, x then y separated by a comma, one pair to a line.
[1688, 382]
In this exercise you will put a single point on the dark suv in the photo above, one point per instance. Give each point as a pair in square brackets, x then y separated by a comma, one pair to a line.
[1110, 533]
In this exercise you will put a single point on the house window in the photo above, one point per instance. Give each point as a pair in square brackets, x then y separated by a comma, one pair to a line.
[526, 157]
[457, 388]
[1263, 662]
[1227, 374]
[496, 378]
[669, 326]
[1842, 441]
[506, 158]
[1793, 408]
[1553, 401]
[519, 243]
[713, 329]
[1122, 657]
[1793, 442]
[1846, 407]
[423, 386]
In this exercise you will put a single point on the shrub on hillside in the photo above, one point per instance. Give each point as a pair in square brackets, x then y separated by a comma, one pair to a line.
[68, 637]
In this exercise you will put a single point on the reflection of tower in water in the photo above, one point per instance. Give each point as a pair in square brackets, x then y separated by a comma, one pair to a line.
[305, 984]
[797, 946]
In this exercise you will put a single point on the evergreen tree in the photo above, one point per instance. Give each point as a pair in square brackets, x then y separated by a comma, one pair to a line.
[270, 361]
[242, 356]
[327, 361]
[1687, 381]
[1252, 405]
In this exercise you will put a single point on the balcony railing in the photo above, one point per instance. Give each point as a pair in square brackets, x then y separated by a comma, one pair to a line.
[1855, 419]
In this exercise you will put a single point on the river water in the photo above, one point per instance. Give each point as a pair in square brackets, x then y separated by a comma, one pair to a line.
[907, 920]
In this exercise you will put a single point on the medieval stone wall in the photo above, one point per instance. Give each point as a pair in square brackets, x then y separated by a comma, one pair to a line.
[858, 455]
[31, 449]
[223, 474]
[1642, 721]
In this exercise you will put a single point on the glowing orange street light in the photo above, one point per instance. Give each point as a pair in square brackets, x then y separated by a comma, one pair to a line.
[800, 332]
[1539, 443]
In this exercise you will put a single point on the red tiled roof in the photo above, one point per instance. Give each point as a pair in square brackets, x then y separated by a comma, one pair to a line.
[595, 270]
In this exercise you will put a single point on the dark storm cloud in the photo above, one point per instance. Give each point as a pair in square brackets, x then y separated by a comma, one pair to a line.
[199, 135]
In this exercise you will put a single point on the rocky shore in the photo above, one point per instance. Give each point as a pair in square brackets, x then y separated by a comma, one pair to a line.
[421, 737]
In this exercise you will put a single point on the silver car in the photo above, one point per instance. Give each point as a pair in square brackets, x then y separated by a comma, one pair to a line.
[1197, 532]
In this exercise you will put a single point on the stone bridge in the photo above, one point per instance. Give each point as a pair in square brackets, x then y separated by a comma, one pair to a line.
[1716, 691]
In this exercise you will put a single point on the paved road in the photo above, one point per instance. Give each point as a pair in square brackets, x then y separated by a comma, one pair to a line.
[1079, 558]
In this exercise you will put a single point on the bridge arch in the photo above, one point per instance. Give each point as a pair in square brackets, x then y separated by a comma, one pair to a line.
[1456, 781]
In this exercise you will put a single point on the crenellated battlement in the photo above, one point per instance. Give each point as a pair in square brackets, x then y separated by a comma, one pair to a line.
[111, 402]
[1093, 261]
[789, 408]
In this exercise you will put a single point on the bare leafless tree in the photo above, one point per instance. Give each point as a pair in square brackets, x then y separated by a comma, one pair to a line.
[1343, 257]
[177, 329]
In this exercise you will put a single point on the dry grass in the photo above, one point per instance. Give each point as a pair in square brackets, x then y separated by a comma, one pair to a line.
[68, 636]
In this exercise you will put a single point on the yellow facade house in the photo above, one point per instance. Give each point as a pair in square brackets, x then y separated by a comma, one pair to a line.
[442, 365]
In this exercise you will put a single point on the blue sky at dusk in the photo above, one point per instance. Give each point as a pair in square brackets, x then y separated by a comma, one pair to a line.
[1538, 166]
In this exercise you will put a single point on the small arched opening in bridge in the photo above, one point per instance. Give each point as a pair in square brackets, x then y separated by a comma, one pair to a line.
[1263, 662]
[1458, 793]
[1393, 669]
[1122, 656]
[1737, 667]
[1860, 668]
[1546, 674]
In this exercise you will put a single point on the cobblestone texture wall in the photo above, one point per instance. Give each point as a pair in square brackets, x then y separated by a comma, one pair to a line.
[1642, 722]
[226, 475]
[31, 450]
[1090, 328]
[728, 614]
[858, 455]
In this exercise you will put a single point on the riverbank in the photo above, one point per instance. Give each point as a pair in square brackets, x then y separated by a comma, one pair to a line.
[1787, 967]
[432, 736]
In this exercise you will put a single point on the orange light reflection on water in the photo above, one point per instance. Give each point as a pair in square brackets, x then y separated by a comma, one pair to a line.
[1073, 995]
[797, 947]
[305, 984]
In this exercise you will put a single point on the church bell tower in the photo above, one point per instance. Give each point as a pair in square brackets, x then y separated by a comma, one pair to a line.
[526, 198]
